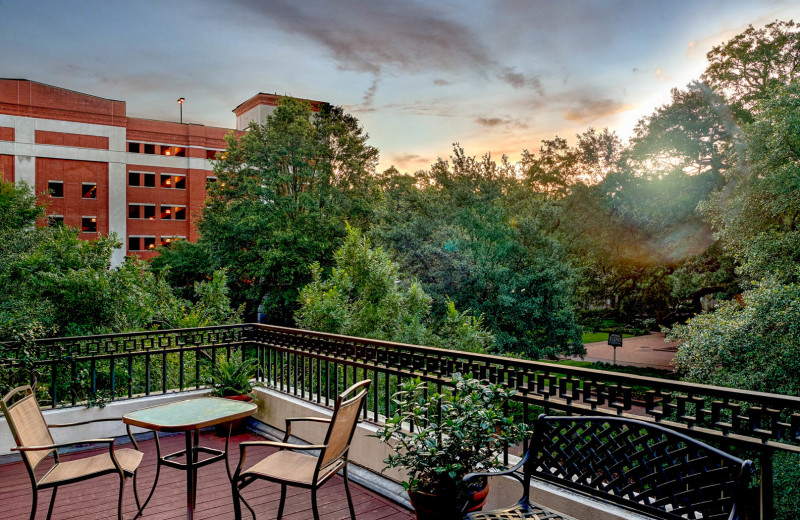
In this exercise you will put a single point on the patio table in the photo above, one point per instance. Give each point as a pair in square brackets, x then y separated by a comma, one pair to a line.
[187, 416]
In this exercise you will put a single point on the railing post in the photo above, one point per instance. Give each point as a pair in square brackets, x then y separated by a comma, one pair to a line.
[767, 511]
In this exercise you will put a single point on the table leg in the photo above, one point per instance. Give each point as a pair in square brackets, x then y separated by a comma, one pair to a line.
[190, 474]
[196, 455]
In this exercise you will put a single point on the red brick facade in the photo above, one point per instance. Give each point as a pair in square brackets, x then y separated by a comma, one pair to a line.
[142, 179]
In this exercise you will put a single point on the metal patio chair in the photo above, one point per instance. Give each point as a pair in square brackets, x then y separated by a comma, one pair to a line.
[34, 441]
[287, 467]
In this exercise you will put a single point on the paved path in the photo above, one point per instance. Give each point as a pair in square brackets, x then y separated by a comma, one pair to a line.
[641, 351]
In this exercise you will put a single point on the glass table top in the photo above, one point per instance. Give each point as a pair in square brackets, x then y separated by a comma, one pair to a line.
[189, 414]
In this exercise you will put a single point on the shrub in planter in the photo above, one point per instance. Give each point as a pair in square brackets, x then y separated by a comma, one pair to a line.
[438, 453]
[231, 379]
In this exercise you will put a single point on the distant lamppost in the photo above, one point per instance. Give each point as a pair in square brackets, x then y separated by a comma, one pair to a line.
[180, 102]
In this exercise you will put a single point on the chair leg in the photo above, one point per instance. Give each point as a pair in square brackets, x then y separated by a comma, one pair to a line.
[282, 502]
[347, 492]
[314, 503]
[52, 502]
[35, 501]
[121, 494]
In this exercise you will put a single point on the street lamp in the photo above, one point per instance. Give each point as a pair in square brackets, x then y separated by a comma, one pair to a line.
[180, 102]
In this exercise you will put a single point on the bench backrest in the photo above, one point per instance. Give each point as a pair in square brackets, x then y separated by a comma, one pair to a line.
[638, 465]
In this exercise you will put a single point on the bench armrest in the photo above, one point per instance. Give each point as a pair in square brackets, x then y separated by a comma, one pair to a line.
[506, 471]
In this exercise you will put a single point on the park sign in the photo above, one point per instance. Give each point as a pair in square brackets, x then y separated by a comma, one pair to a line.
[615, 340]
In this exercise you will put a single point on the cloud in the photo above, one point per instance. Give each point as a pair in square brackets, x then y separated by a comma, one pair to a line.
[660, 76]
[383, 36]
[439, 82]
[410, 161]
[492, 122]
[519, 80]
[589, 110]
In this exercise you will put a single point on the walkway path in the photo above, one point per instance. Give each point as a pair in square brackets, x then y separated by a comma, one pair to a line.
[640, 351]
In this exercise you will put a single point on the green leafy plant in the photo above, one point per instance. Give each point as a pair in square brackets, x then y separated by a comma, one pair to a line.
[230, 377]
[441, 449]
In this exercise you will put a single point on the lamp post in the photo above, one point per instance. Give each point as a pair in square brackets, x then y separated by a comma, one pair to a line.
[180, 102]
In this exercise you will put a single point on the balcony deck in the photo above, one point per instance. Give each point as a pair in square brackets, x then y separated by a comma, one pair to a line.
[97, 498]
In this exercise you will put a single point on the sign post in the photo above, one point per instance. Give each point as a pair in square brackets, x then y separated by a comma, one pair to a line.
[615, 340]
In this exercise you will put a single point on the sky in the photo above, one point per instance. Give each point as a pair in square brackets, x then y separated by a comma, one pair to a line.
[495, 76]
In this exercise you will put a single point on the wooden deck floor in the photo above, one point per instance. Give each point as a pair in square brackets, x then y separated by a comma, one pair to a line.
[97, 498]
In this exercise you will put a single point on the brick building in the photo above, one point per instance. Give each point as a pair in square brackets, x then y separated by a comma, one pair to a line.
[106, 172]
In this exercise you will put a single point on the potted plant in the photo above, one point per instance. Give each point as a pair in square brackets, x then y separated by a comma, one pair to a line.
[231, 379]
[438, 453]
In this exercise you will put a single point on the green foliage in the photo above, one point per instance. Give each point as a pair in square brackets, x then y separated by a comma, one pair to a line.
[181, 265]
[472, 234]
[285, 191]
[753, 63]
[230, 377]
[754, 344]
[366, 296]
[468, 435]
[55, 284]
[787, 475]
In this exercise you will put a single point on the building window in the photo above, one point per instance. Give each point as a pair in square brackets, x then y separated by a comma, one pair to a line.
[89, 190]
[56, 188]
[133, 147]
[142, 179]
[89, 224]
[142, 211]
[149, 149]
[175, 151]
[177, 182]
[168, 241]
[173, 212]
[141, 243]
[212, 154]
[55, 220]
[209, 180]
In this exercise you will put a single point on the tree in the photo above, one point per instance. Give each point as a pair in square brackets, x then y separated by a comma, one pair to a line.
[285, 190]
[749, 66]
[474, 234]
[55, 284]
[757, 214]
[366, 296]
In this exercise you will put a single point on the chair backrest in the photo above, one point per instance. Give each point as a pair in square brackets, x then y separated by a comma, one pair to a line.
[344, 421]
[27, 423]
[639, 465]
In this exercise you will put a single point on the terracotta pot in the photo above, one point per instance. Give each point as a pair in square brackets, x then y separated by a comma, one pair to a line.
[239, 425]
[434, 507]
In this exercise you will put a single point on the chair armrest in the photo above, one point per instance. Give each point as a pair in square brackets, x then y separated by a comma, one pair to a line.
[506, 471]
[290, 420]
[272, 444]
[63, 445]
[314, 419]
[67, 425]
[282, 445]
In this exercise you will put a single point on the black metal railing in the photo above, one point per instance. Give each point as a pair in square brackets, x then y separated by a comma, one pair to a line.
[316, 366]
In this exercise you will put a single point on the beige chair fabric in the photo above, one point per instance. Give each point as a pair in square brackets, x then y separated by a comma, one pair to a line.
[33, 439]
[290, 468]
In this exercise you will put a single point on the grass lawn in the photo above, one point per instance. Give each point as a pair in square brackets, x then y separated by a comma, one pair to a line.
[591, 337]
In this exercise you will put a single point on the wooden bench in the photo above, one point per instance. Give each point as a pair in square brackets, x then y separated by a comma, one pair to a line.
[638, 466]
